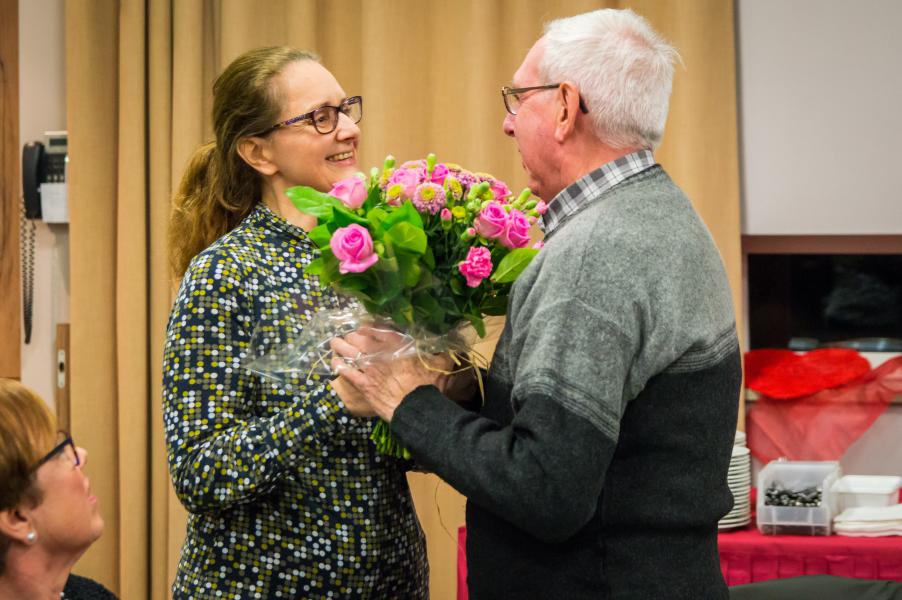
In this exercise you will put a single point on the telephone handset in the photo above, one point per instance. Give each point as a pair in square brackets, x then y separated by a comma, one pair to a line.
[43, 197]
[34, 173]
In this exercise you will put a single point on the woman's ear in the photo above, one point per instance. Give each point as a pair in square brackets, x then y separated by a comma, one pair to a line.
[256, 152]
[16, 524]
[567, 111]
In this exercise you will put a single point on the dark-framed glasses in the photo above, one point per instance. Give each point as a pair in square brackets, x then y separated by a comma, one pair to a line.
[325, 118]
[65, 444]
[513, 97]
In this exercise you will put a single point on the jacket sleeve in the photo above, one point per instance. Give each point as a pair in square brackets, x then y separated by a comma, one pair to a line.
[223, 449]
[543, 472]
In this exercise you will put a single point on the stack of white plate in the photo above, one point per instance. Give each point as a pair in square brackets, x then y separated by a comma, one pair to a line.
[739, 479]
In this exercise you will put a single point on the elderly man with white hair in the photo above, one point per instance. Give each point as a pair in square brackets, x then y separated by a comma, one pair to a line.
[596, 466]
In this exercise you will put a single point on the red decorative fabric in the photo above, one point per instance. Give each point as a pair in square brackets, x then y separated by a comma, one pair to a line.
[462, 593]
[822, 426]
[784, 374]
[747, 556]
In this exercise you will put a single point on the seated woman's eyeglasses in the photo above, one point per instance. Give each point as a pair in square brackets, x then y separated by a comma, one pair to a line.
[62, 446]
[512, 99]
[325, 118]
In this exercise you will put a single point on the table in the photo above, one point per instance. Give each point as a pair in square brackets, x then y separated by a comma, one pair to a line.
[747, 556]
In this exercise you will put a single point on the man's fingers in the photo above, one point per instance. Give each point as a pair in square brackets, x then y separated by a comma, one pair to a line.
[343, 348]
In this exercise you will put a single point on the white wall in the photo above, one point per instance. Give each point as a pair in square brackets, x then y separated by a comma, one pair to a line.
[42, 107]
[821, 90]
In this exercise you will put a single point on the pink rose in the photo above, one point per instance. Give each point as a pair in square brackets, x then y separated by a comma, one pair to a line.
[477, 266]
[500, 190]
[439, 172]
[445, 214]
[407, 179]
[516, 235]
[351, 191]
[353, 247]
[492, 221]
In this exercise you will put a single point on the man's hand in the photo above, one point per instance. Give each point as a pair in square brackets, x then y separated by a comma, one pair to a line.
[381, 384]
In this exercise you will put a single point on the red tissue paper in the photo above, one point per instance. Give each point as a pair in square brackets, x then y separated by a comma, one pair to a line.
[814, 406]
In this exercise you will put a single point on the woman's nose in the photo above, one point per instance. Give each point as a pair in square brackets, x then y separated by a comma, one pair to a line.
[347, 128]
[82, 456]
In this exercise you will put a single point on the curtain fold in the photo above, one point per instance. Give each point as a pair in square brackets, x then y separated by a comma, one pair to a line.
[139, 77]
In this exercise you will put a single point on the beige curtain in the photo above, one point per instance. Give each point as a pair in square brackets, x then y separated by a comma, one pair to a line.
[138, 78]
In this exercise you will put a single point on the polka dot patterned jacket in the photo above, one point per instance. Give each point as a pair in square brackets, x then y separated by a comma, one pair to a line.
[287, 496]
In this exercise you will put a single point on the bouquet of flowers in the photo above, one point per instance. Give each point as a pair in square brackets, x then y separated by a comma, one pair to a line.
[428, 246]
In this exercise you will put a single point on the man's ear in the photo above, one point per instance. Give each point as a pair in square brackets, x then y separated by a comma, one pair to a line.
[257, 153]
[568, 109]
[15, 524]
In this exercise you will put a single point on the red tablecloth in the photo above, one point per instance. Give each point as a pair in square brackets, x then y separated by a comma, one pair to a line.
[747, 556]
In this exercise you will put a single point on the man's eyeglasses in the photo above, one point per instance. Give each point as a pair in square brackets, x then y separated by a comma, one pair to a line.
[512, 97]
[61, 447]
[325, 118]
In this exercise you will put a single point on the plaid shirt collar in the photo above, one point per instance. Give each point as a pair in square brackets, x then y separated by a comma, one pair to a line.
[589, 187]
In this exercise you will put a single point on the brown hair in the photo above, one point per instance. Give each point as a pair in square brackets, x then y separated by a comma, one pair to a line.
[28, 431]
[218, 188]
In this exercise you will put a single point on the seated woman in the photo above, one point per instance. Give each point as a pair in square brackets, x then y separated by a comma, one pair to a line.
[48, 517]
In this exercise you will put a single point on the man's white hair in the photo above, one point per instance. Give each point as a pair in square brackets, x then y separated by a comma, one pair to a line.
[623, 69]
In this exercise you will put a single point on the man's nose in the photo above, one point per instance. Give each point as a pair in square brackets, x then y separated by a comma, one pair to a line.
[508, 125]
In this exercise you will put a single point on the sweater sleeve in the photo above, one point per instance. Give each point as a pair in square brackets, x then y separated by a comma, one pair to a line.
[543, 472]
[222, 449]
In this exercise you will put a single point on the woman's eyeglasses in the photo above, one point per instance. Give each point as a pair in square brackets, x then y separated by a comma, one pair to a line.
[325, 118]
[61, 447]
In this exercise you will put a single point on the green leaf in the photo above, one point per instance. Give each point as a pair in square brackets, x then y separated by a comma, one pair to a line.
[405, 236]
[429, 259]
[404, 213]
[513, 264]
[320, 235]
[312, 202]
[478, 324]
[376, 216]
[316, 267]
[457, 286]
[494, 307]
[409, 266]
[343, 217]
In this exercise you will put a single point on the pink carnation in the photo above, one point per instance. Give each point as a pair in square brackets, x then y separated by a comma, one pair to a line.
[477, 266]
[445, 215]
[492, 221]
[351, 192]
[541, 207]
[516, 234]
[353, 247]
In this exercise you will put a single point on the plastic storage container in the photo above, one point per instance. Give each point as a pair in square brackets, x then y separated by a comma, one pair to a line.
[867, 490]
[797, 476]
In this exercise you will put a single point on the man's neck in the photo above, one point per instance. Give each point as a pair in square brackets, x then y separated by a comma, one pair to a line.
[588, 157]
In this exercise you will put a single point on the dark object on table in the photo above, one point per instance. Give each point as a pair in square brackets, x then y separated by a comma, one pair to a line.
[777, 495]
[818, 587]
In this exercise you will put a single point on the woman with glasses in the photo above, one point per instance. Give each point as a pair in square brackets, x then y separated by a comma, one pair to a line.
[48, 517]
[286, 494]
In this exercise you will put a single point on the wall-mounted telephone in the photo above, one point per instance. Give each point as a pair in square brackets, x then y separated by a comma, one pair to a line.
[43, 197]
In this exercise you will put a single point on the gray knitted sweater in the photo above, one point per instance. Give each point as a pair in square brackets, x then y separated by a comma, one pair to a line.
[597, 466]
